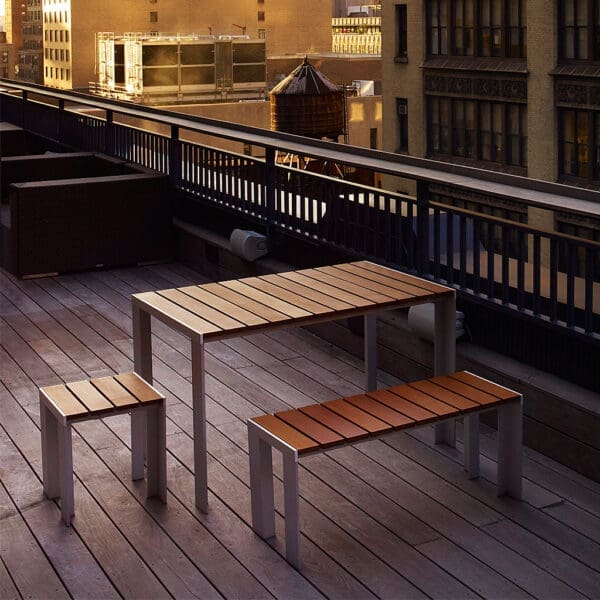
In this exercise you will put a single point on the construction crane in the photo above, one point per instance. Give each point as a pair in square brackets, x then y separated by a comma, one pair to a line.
[242, 27]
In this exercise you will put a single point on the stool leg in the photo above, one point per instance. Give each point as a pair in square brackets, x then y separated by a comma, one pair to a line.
[138, 443]
[471, 445]
[156, 453]
[65, 461]
[261, 483]
[510, 450]
[50, 467]
[291, 495]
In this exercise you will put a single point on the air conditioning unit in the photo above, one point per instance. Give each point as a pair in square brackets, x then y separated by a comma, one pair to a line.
[249, 245]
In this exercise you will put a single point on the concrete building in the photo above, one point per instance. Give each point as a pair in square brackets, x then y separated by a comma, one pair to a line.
[507, 85]
[31, 54]
[14, 11]
[70, 26]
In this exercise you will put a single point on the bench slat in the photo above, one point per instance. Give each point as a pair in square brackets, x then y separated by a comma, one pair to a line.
[287, 434]
[65, 402]
[357, 416]
[487, 386]
[423, 400]
[90, 397]
[343, 427]
[115, 392]
[463, 389]
[313, 429]
[136, 386]
[444, 395]
[411, 410]
[379, 410]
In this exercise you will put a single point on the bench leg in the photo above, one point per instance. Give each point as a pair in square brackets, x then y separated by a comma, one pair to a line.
[261, 483]
[510, 449]
[65, 468]
[156, 453]
[291, 495]
[138, 443]
[471, 445]
[50, 466]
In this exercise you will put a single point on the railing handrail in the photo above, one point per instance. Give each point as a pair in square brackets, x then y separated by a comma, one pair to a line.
[542, 194]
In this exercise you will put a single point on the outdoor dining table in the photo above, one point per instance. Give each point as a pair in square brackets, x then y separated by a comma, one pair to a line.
[239, 307]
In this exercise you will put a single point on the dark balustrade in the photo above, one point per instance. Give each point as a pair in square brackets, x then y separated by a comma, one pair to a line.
[550, 276]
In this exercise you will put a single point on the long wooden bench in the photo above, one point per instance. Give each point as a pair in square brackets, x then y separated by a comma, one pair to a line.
[64, 404]
[319, 427]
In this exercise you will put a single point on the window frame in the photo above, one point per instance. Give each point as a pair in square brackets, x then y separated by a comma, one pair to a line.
[401, 11]
[507, 29]
[500, 153]
[592, 27]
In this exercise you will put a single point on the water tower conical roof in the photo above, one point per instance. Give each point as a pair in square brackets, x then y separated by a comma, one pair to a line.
[305, 80]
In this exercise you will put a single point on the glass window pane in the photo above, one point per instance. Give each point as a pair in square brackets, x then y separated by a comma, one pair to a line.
[569, 12]
[458, 13]
[469, 13]
[497, 13]
[582, 43]
[582, 12]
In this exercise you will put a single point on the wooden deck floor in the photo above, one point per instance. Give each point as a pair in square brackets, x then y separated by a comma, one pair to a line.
[390, 519]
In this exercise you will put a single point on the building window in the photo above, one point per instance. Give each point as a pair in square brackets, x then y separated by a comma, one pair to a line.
[437, 17]
[579, 29]
[261, 34]
[579, 143]
[470, 28]
[401, 31]
[462, 27]
[373, 138]
[478, 130]
[153, 16]
[402, 116]
[261, 15]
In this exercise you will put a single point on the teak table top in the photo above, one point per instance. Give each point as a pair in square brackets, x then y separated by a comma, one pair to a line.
[242, 306]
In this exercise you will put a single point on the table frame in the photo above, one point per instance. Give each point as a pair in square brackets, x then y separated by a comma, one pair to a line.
[444, 362]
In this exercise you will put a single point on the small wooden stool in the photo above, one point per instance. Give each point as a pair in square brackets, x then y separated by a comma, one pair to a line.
[65, 404]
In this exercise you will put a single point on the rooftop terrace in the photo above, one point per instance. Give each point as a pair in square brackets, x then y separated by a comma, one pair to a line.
[396, 518]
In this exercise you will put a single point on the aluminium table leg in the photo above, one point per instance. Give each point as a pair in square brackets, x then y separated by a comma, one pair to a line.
[142, 365]
[199, 419]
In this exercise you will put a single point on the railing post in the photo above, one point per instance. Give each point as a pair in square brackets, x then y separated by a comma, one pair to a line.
[270, 185]
[175, 157]
[24, 108]
[423, 227]
[60, 134]
[109, 134]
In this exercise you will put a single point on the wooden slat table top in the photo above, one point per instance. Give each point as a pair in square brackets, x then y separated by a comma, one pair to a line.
[251, 304]
[351, 419]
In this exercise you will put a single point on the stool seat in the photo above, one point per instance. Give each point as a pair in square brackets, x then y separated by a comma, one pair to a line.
[64, 404]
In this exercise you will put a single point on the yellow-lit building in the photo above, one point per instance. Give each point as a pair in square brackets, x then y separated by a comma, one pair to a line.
[506, 85]
[70, 26]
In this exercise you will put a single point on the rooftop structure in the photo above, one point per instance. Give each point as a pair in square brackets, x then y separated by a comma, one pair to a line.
[162, 67]
[382, 518]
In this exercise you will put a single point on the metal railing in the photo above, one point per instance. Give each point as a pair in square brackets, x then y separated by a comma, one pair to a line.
[547, 276]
